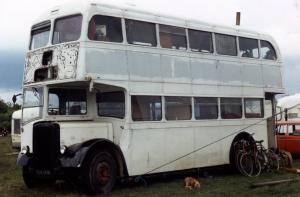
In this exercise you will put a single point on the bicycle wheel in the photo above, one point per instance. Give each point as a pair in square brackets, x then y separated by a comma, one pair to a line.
[257, 167]
[262, 157]
[273, 160]
[237, 161]
[246, 164]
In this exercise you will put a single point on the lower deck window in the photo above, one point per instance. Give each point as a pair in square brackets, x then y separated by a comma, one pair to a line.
[67, 101]
[206, 108]
[111, 104]
[178, 108]
[146, 108]
[253, 108]
[231, 108]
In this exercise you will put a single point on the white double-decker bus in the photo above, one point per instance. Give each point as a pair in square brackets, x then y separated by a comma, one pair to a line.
[112, 92]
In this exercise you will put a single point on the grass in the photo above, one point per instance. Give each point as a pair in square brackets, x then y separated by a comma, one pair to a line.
[220, 182]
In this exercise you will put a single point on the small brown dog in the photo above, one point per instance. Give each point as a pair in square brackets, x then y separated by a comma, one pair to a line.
[190, 182]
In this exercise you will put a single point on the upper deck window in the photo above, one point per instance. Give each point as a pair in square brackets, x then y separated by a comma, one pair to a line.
[172, 37]
[226, 44]
[67, 29]
[105, 28]
[40, 35]
[248, 47]
[267, 50]
[141, 33]
[200, 41]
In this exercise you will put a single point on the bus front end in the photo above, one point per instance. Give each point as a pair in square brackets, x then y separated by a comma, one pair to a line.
[58, 127]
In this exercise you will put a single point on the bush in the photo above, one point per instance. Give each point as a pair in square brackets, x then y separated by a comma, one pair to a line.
[6, 111]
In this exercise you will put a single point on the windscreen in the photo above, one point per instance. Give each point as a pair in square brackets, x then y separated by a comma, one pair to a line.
[67, 29]
[67, 101]
[32, 103]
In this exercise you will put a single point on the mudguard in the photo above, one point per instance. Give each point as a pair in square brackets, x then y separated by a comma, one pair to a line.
[22, 159]
[76, 154]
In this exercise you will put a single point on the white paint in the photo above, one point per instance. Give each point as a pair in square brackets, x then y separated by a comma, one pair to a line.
[165, 72]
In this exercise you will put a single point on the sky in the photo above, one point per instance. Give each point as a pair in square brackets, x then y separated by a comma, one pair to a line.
[279, 18]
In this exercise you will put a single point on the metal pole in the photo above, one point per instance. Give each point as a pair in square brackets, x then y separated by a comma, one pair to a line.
[238, 19]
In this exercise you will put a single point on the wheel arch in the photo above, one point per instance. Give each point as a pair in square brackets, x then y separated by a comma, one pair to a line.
[243, 135]
[112, 148]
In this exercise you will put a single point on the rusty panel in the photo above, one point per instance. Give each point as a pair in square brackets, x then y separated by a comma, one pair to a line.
[65, 57]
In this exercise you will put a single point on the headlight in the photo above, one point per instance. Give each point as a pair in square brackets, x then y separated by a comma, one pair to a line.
[25, 150]
[63, 149]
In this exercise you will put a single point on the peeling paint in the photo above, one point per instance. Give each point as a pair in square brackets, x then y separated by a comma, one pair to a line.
[65, 57]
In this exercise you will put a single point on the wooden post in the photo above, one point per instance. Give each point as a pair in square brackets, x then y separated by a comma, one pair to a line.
[238, 19]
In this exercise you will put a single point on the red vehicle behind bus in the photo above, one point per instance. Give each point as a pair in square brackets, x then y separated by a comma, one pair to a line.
[288, 136]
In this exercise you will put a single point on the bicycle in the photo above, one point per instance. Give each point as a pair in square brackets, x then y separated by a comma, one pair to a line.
[242, 147]
[249, 162]
[267, 157]
[260, 158]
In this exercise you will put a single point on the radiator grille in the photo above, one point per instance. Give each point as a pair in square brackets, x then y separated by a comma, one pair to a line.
[46, 144]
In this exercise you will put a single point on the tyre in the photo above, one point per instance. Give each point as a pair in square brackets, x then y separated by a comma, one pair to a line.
[28, 178]
[99, 173]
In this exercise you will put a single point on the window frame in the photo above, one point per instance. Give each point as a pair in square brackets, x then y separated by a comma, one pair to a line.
[189, 41]
[67, 115]
[262, 110]
[241, 105]
[161, 108]
[236, 44]
[191, 108]
[125, 35]
[64, 17]
[173, 26]
[121, 22]
[258, 48]
[201, 97]
[121, 118]
[261, 56]
[38, 26]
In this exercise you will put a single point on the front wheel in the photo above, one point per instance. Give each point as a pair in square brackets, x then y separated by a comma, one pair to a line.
[29, 180]
[99, 173]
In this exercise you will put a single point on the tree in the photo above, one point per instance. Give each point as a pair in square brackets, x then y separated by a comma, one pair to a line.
[3, 106]
[6, 111]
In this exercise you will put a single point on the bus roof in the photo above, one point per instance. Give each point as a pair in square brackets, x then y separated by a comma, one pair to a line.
[131, 11]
